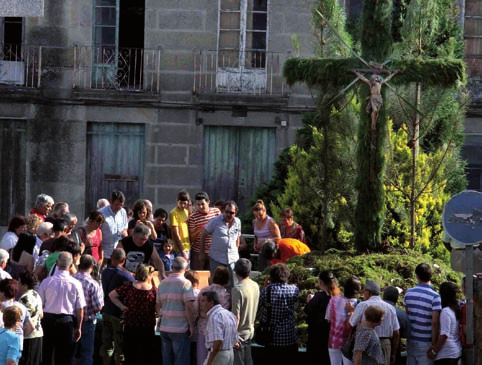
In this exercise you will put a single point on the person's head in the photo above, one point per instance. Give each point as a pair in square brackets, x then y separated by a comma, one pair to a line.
[182, 199]
[86, 263]
[352, 287]
[202, 202]
[149, 209]
[12, 317]
[269, 249]
[193, 277]
[33, 222]
[8, 289]
[242, 268]
[101, 203]
[208, 300]
[64, 261]
[45, 231]
[167, 247]
[423, 273]
[60, 244]
[221, 276]
[374, 314]
[44, 204]
[220, 205]
[17, 224]
[329, 283]
[141, 234]
[118, 256]
[230, 210]
[76, 252]
[372, 288]
[279, 273]
[160, 217]
[179, 264]
[60, 226]
[71, 220]
[390, 293]
[96, 219]
[143, 272]
[27, 281]
[190, 207]
[259, 209]
[141, 211]
[117, 200]
[448, 294]
[287, 217]
[4, 256]
[59, 209]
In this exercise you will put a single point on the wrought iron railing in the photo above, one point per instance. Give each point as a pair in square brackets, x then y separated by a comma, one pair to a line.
[20, 65]
[133, 69]
[253, 72]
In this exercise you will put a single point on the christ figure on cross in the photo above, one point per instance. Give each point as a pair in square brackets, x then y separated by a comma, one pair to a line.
[375, 83]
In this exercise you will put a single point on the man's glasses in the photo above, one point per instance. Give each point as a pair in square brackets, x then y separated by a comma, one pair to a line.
[228, 212]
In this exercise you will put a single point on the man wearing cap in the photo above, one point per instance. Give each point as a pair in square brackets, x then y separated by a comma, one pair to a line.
[423, 306]
[196, 222]
[390, 296]
[244, 295]
[388, 332]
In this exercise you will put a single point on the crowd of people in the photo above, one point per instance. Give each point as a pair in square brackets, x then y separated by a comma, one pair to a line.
[140, 269]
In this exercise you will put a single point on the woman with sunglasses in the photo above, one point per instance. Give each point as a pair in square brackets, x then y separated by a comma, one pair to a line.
[265, 229]
[139, 307]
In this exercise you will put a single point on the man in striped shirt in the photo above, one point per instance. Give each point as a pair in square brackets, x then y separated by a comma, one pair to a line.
[175, 298]
[221, 331]
[196, 222]
[423, 306]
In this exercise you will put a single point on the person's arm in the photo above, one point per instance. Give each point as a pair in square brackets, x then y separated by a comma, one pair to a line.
[101, 249]
[158, 308]
[202, 245]
[357, 357]
[28, 327]
[114, 297]
[176, 239]
[153, 230]
[159, 265]
[435, 326]
[189, 310]
[361, 77]
[79, 315]
[274, 230]
[217, 344]
[395, 341]
[194, 231]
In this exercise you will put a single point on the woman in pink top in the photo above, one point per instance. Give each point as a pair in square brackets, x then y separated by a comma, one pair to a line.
[91, 236]
[219, 281]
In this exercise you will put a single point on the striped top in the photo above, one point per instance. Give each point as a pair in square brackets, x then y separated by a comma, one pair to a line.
[222, 325]
[199, 220]
[173, 293]
[420, 302]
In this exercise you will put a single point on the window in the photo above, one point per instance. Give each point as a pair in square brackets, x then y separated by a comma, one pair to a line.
[12, 38]
[243, 27]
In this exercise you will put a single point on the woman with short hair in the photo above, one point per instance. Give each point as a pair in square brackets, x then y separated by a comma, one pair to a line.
[16, 225]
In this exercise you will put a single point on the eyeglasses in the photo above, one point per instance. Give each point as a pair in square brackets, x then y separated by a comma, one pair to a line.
[228, 212]
[256, 209]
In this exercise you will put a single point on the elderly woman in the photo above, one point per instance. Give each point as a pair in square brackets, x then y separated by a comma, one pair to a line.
[141, 214]
[367, 349]
[448, 350]
[140, 315]
[265, 229]
[289, 228]
[32, 344]
[16, 225]
[91, 236]
[58, 210]
[219, 281]
[282, 297]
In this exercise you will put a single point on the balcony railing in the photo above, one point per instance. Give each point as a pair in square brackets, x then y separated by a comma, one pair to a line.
[254, 72]
[19, 65]
[132, 69]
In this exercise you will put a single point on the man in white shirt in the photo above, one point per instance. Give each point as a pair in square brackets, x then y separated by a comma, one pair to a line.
[115, 224]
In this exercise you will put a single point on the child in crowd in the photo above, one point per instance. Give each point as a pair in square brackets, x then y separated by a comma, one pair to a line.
[167, 255]
[162, 229]
[193, 277]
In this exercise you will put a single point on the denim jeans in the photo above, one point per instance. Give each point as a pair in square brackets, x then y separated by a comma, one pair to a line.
[86, 342]
[175, 348]
[417, 353]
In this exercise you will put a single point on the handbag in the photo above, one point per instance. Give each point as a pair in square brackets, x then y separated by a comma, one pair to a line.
[263, 332]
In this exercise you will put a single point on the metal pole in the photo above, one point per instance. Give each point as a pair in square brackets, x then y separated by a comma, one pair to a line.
[469, 296]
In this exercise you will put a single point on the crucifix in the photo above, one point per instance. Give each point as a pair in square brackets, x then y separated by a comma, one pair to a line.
[333, 74]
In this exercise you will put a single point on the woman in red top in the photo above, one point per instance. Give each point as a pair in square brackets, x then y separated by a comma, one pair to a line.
[140, 315]
[91, 236]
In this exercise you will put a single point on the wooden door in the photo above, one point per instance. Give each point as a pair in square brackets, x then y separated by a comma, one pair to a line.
[115, 161]
[236, 161]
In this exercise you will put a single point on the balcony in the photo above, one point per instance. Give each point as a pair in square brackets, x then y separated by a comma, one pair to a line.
[251, 73]
[19, 65]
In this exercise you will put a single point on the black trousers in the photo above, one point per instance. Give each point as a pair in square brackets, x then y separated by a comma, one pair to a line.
[138, 345]
[59, 336]
[32, 351]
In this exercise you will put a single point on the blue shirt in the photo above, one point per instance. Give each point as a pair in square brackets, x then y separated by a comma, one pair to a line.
[421, 301]
[112, 228]
[9, 346]
[167, 259]
[224, 239]
[113, 277]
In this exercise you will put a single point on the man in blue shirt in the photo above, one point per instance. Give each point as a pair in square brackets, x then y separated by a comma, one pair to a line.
[113, 277]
